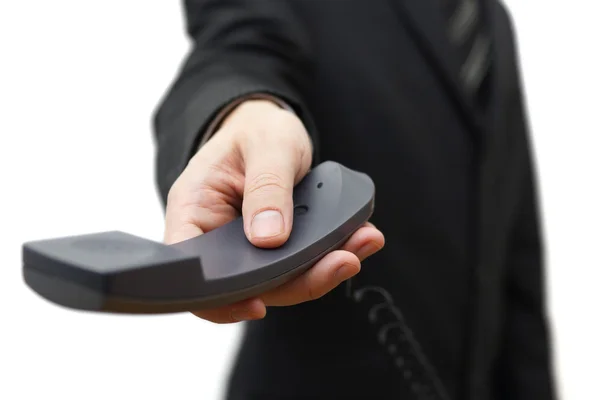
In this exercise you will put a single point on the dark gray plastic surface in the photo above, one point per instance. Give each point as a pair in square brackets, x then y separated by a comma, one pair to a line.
[118, 272]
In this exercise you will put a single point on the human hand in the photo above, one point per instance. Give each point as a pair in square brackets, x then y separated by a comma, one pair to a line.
[252, 164]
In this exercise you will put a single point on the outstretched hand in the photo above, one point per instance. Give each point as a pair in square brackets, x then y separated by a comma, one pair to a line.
[252, 165]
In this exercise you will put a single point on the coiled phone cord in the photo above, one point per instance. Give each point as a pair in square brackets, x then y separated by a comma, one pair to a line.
[406, 350]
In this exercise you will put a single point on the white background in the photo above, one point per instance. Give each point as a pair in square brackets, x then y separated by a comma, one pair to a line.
[78, 83]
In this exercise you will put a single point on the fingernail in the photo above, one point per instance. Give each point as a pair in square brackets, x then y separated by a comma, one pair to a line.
[267, 224]
[367, 250]
[344, 272]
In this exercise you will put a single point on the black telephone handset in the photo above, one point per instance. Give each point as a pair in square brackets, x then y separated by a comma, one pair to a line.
[118, 272]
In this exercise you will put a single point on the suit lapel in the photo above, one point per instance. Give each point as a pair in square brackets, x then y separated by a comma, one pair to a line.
[428, 28]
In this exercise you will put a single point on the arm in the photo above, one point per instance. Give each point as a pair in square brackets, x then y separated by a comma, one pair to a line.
[526, 362]
[241, 48]
[525, 367]
[244, 49]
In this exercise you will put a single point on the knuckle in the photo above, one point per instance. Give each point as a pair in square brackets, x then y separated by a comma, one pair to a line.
[179, 196]
[237, 135]
[265, 182]
[314, 293]
[174, 193]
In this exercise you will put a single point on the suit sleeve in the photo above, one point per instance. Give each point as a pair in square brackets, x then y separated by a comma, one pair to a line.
[239, 48]
[526, 365]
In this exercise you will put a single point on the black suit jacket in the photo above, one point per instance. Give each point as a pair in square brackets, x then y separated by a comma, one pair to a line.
[454, 306]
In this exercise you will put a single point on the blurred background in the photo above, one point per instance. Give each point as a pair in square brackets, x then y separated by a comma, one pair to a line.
[78, 83]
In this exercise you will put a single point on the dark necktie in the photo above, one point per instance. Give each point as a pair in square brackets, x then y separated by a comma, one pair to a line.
[467, 33]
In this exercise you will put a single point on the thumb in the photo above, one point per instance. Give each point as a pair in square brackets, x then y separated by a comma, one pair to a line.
[271, 170]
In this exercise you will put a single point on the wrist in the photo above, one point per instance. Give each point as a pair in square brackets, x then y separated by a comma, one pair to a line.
[243, 112]
[250, 109]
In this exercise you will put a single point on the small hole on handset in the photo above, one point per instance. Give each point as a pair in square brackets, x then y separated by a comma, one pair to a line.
[300, 210]
[319, 185]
